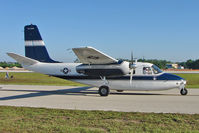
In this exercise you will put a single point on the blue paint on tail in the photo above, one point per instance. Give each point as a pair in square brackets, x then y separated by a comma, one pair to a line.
[37, 52]
[32, 33]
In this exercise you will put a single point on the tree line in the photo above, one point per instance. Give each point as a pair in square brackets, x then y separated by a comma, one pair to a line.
[10, 64]
[190, 64]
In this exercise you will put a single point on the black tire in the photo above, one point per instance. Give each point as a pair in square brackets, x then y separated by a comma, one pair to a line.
[104, 91]
[183, 91]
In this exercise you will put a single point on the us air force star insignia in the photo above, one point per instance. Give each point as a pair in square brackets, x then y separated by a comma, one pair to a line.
[65, 70]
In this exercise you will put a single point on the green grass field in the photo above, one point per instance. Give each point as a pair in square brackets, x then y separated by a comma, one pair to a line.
[40, 79]
[35, 79]
[23, 119]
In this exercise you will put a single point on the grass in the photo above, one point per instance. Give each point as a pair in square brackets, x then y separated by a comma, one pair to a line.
[24, 119]
[40, 79]
[35, 79]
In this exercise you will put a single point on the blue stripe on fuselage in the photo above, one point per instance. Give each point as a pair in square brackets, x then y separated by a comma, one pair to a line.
[168, 76]
[164, 76]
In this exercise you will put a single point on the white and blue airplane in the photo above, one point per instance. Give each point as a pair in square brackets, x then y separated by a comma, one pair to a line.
[96, 68]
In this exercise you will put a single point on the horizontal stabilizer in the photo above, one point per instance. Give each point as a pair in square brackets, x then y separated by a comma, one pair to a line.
[22, 60]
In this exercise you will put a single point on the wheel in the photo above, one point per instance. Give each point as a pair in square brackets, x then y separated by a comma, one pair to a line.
[183, 91]
[119, 90]
[104, 91]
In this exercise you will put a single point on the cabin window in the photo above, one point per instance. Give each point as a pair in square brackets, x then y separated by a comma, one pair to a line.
[156, 69]
[147, 70]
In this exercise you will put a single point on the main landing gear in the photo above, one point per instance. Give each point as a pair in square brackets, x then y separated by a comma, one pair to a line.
[183, 91]
[104, 91]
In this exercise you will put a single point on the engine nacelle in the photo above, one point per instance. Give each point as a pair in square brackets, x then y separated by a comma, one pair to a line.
[118, 69]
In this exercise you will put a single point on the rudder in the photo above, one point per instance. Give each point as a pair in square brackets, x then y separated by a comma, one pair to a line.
[34, 45]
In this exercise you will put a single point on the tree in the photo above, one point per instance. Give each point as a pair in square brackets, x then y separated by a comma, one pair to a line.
[9, 64]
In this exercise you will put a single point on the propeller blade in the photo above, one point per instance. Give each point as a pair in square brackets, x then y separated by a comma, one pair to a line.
[131, 60]
[131, 75]
[132, 56]
[131, 68]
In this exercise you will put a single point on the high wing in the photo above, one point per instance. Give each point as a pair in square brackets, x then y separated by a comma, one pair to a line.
[90, 55]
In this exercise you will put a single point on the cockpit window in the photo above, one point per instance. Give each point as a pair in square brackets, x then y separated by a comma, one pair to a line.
[156, 69]
[147, 70]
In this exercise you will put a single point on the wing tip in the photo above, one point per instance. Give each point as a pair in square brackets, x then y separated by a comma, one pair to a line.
[11, 54]
[21, 59]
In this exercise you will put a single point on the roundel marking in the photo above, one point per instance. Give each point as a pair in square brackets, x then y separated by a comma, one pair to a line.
[65, 70]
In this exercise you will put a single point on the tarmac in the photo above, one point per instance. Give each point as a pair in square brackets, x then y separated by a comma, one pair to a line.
[87, 98]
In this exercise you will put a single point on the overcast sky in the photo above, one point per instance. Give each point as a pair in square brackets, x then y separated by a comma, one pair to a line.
[153, 29]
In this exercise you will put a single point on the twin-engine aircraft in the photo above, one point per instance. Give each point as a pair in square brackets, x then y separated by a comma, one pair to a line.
[96, 68]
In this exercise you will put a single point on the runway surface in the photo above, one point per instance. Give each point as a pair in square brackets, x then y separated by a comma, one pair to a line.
[85, 98]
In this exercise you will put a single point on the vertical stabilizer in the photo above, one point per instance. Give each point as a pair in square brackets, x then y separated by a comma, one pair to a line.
[34, 45]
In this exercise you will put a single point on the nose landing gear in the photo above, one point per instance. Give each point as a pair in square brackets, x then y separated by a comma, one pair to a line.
[183, 91]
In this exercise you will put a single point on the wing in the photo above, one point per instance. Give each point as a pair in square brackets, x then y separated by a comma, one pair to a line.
[89, 55]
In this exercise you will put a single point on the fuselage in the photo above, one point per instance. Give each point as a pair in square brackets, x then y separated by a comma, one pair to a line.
[146, 76]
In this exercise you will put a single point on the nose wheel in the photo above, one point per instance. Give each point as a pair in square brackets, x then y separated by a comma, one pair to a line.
[104, 91]
[183, 91]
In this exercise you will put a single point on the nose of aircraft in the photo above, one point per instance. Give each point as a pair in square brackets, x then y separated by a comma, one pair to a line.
[180, 82]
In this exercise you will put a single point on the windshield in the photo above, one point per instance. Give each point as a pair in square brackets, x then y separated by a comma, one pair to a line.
[156, 69]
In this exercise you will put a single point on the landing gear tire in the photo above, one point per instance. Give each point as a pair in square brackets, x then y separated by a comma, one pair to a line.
[183, 91]
[104, 91]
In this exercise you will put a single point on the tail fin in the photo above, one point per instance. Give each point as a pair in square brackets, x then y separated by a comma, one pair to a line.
[34, 45]
[24, 61]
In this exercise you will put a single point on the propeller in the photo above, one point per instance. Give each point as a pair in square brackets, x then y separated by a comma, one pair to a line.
[131, 67]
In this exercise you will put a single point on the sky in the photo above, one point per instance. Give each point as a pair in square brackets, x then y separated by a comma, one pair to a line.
[152, 29]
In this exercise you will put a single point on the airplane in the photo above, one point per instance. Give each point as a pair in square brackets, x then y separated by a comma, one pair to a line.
[96, 68]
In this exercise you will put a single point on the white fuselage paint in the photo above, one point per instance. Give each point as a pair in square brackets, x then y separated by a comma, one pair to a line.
[56, 69]
[135, 85]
